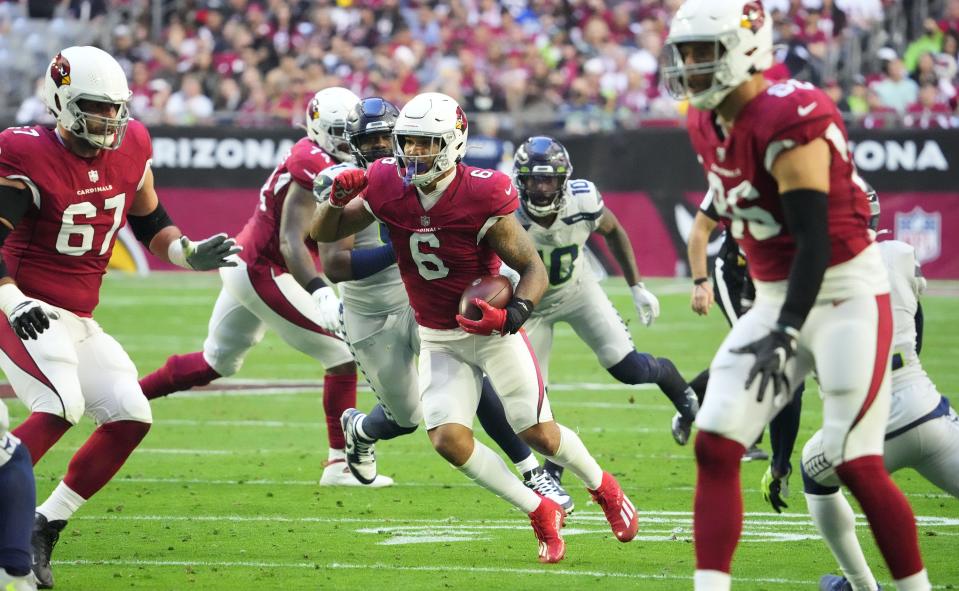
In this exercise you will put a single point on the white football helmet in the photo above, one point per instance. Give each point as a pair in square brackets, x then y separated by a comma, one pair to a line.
[326, 121]
[435, 116]
[91, 74]
[742, 34]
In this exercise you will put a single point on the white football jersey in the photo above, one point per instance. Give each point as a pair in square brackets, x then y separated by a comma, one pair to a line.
[380, 293]
[907, 283]
[561, 246]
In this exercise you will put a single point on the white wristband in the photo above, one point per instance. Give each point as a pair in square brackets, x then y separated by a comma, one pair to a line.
[10, 297]
[176, 255]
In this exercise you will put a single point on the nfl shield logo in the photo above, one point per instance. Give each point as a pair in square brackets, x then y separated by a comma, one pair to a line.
[425, 220]
[921, 230]
[720, 153]
[94, 175]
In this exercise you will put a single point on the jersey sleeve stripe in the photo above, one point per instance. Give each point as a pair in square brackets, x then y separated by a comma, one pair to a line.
[143, 178]
[30, 184]
[774, 150]
[486, 226]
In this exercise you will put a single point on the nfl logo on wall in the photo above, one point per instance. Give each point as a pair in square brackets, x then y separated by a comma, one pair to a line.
[921, 230]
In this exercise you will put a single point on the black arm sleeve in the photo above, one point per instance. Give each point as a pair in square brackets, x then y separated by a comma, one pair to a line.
[919, 322]
[13, 204]
[806, 216]
[783, 430]
[145, 227]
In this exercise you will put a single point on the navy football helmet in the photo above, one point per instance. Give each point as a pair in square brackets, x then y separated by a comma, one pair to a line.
[541, 169]
[369, 129]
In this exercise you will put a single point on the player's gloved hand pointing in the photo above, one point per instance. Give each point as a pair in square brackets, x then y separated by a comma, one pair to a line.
[339, 184]
[647, 305]
[25, 315]
[214, 252]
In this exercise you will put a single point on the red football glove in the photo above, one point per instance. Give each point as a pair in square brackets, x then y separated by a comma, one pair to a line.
[492, 321]
[347, 185]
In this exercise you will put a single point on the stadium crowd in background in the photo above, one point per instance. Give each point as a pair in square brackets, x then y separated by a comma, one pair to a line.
[579, 66]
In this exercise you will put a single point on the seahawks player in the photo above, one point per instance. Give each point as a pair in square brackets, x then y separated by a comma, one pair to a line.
[922, 432]
[382, 332]
[560, 214]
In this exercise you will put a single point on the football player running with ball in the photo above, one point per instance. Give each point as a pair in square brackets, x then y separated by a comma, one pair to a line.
[559, 215]
[276, 285]
[778, 163]
[451, 224]
[381, 330]
[64, 193]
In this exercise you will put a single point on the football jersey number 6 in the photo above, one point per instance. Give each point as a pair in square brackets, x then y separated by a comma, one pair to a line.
[68, 228]
[428, 264]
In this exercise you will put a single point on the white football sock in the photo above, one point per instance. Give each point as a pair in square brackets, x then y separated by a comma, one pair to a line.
[837, 525]
[61, 504]
[527, 464]
[711, 580]
[916, 582]
[490, 471]
[336, 454]
[573, 455]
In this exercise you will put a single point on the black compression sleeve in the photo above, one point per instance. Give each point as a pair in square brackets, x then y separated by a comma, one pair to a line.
[919, 325]
[145, 227]
[13, 204]
[806, 213]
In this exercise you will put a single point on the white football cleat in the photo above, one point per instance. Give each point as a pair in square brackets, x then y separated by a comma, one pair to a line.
[9, 582]
[360, 454]
[337, 473]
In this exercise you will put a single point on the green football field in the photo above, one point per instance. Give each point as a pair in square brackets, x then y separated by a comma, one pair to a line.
[223, 492]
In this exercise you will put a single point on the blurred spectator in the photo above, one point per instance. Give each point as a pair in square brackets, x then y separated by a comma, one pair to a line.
[485, 149]
[929, 43]
[896, 90]
[33, 110]
[835, 92]
[858, 97]
[189, 106]
[929, 111]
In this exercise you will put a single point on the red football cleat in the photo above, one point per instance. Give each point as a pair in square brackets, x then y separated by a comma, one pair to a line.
[546, 520]
[620, 512]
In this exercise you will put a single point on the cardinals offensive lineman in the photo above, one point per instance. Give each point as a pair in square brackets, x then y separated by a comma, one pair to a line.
[276, 286]
[780, 170]
[450, 224]
[65, 193]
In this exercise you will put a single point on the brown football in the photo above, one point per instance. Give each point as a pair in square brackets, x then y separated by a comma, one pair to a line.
[495, 289]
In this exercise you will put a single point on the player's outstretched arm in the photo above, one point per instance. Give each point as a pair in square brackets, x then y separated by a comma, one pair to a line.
[26, 316]
[295, 221]
[335, 258]
[340, 213]
[152, 226]
[701, 298]
[608, 226]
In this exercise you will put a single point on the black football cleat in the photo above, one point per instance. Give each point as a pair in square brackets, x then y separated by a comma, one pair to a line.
[45, 536]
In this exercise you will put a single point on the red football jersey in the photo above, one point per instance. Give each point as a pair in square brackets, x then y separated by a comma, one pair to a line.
[440, 251]
[747, 196]
[59, 251]
[260, 236]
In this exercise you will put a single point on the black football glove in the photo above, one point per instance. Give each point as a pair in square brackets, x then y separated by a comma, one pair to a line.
[776, 489]
[772, 353]
[28, 319]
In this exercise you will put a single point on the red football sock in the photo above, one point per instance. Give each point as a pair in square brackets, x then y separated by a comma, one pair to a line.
[101, 456]
[40, 431]
[718, 507]
[889, 514]
[180, 372]
[339, 394]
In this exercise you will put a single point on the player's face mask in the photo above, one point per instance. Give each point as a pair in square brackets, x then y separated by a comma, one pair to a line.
[542, 191]
[689, 69]
[421, 157]
[101, 124]
[373, 146]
